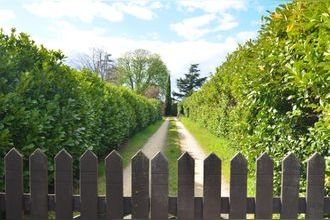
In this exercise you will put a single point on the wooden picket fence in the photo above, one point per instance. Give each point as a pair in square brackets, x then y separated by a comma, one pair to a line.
[157, 204]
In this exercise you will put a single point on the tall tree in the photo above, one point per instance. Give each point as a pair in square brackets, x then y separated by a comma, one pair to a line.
[100, 62]
[168, 98]
[190, 82]
[141, 69]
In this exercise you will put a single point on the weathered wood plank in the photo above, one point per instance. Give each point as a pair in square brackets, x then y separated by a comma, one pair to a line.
[39, 185]
[14, 185]
[172, 204]
[140, 186]
[315, 187]
[63, 185]
[114, 185]
[186, 180]
[238, 187]
[88, 185]
[264, 187]
[159, 187]
[290, 187]
[212, 187]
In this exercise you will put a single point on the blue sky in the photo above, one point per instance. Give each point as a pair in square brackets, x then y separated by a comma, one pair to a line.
[182, 32]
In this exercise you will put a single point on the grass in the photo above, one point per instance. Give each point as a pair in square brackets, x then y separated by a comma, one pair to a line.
[220, 146]
[172, 152]
[128, 150]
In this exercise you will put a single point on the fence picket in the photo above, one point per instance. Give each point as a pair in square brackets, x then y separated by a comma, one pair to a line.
[212, 187]
[290, 187]
[114, 185]
[186, 180]
[238, 187]
[14, 185]
[63, 185]
[159, 187]
[264, 187]
[88, 185]
[185, 206]
[140, 186]
[39, 185]
[315, 187]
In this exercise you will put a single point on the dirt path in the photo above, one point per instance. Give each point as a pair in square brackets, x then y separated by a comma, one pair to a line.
[189, 144]
[154, 144]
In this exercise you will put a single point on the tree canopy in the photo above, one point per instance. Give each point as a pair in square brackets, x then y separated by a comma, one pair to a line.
[190, 82]
[139, 70]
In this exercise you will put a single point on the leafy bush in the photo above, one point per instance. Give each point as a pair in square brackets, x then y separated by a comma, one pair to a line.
[45, 104]
[272, 94]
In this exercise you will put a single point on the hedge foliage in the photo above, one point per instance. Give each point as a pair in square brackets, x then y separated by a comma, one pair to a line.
[272, 94]
[46, 104]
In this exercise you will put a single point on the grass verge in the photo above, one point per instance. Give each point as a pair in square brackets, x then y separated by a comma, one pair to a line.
[128, 150]
[172, 152]
[220, 146]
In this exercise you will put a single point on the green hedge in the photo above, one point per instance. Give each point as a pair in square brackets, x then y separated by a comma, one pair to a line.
[46, 104]
[272, 94]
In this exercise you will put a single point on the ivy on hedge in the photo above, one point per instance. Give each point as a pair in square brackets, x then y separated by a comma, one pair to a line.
[272, 94]
[46, 104]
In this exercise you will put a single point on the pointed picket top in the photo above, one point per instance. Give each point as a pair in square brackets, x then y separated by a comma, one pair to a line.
[316, 163]
[13, 154]
[139, 156]
[88, 155]
[159, 163]
[264, 157]
[239, 158]
[114, 155]
[114, 161]
[238, 164]
[265, 164]
[211, 158]
[185, 156]
[291, 163]
[159, 157]
[63, 155]
[38, 155]
[212, 164]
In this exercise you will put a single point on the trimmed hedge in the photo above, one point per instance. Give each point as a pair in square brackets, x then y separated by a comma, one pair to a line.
[46, 104]
[272, 94]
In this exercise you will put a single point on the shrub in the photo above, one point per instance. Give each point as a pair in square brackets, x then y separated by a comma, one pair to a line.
[46, 104]
[272, 94]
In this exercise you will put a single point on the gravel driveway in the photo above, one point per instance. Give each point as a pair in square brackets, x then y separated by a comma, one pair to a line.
[154, 144]
[189, 144]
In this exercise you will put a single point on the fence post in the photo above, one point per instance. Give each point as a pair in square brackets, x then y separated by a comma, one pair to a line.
[238, 187]
[14, 185]
[264, 187]
[159, 187]
[186, 181]
[315, 187]
[140, 186]
[88, 185]
[212, 187]
[63, 185]
[39, 185]
[290, 187]
[114, 185]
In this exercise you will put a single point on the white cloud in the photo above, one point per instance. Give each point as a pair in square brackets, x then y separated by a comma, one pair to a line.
[6, 15]
[246, 35]
[193, 28]
[196, 27]
[212, 6]
[6, 19]
[136, 11]
[177, 55]
[87, 10]
[226, 22]
[216, 17]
